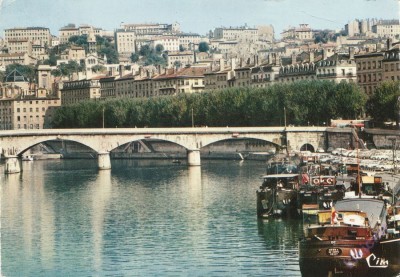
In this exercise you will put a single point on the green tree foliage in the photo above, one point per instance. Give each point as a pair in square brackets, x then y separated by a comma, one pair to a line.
[159, 49]
[99, 68]
[134, 57]
[152, 56]
[67, 69]
[383, 104]
[307, 102]
[80, 41]
[203, 47]
[27, 70]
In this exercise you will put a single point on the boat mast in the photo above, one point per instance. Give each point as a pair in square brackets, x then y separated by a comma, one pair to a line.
[358, 172]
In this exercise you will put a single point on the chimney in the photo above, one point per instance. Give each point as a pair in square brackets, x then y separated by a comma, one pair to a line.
[323, 54]
[294, 58]
[351, 53]
[221, 64]
[121, 70]
[311, 56]
[378, 47]
[233, 64]
[159, 69]
[255, 57]
[389, 43]
[278, 60]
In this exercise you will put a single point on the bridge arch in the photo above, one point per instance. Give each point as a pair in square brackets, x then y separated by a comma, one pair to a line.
[307, 147]
[274, 140]
[25, 145]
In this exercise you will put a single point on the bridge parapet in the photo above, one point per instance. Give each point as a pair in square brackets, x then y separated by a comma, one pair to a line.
[16, 142]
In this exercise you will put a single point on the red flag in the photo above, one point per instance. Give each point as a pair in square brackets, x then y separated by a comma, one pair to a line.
[333, 215]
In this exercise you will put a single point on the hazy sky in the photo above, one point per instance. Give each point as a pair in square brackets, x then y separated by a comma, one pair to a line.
[197, 16]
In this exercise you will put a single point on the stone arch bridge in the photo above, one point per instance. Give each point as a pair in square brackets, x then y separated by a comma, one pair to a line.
[14, 143]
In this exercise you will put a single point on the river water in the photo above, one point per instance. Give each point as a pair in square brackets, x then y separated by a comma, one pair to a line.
[142, 218]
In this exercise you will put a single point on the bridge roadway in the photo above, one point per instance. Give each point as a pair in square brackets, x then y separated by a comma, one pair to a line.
[13, 143]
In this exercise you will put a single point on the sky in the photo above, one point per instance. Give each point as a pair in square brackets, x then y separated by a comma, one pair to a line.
[196, 16]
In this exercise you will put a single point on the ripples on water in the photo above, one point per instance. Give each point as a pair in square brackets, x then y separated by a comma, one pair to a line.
[143, 218]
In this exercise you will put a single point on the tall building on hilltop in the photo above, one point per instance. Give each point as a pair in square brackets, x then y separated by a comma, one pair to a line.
[39, 35]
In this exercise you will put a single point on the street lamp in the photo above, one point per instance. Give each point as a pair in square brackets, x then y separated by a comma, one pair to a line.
[103, 117]
[192, 119]
[394, 141]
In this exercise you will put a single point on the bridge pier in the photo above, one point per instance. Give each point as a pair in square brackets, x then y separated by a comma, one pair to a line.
[104, 160]
[13, 165]
[193, 157]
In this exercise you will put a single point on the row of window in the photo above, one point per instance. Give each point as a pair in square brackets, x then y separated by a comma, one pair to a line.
[369, 65]
[31, 109]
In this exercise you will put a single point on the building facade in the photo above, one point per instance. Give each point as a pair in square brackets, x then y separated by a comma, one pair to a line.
[38, 35]
[387, 29]
[21, 111]
[78, 91]
[125, 41]
[179, 59]
[241, 34]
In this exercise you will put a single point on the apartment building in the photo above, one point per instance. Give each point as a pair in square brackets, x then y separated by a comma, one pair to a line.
[297, 72]
[169, 43]
[107, 87]
[152, 28]
[20, 58]
[135, 85]
[338, 68]
[302, 33]
[221, 77]
[180, 59]
[376, 67]
[387, 29]
[391, 64]
[71, 30]
[185, 80]
[37, 35]
[74, 53]
[19, 110]
[19, 46]
[240, 34]
[189, 41]
[125, 41]
[81, 90]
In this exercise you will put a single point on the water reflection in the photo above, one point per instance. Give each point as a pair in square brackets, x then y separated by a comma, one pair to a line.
[100, 192]
[280, 239]
[143, 218]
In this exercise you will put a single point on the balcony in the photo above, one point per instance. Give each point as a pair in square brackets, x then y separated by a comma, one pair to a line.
[198, 86]
[326, 75]
[261, 80]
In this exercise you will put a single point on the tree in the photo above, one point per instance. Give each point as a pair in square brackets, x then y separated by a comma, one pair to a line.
[383, 104]
[159, 49]
[79, 40]
[99, 68]
[203, 47]
[151, 57]
[27, 70]
[181, 48]
[134, 57]
[312, 102]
